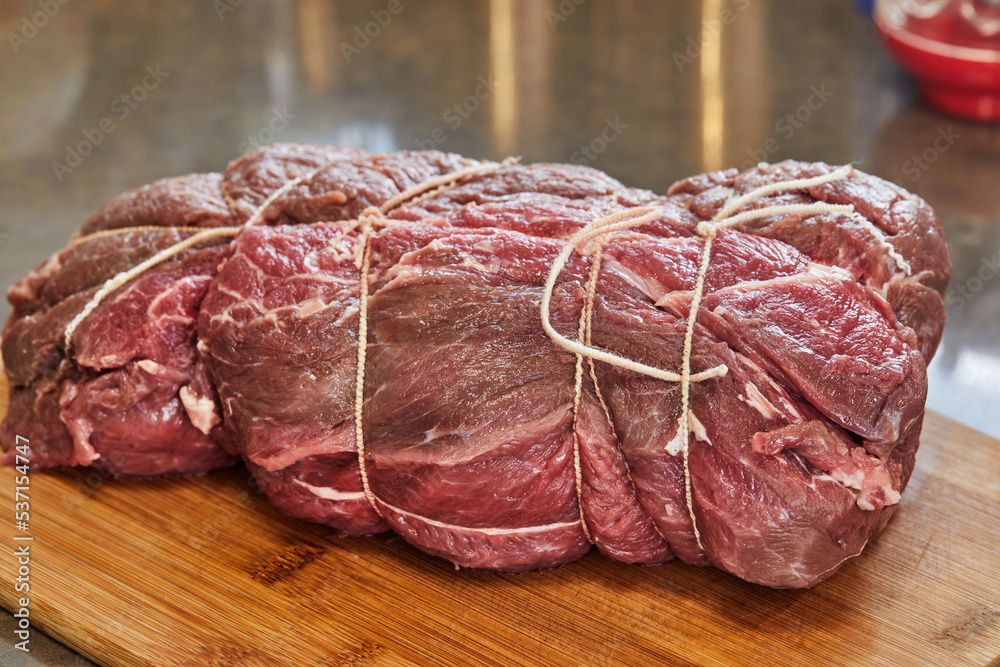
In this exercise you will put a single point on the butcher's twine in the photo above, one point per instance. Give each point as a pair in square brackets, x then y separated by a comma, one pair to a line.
[586, 322]
[585, 242]
[200, 235]
[369, 220]
[707, 231]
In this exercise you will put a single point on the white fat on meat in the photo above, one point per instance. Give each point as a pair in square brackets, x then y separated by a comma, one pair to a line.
[789, 409]
[645, 284]
[695, 427]
[310, 307]
[814, 273]
[759, 402]
[165, 296]
[151, 366]
[464, 446]
[200, 410]
[155, 369]
[868, 485]
[472, 262]
[328, 493]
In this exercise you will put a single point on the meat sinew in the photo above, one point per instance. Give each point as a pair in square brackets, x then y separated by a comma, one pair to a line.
[745, 392]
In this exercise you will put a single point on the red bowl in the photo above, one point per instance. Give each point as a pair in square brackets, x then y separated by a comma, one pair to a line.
[960, 80]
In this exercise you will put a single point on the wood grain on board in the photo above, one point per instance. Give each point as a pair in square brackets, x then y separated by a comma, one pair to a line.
[202, 571]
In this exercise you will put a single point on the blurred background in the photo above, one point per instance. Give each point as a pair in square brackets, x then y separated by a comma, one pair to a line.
[99, 97]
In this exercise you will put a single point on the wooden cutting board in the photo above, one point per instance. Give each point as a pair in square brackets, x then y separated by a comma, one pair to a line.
[202, 571]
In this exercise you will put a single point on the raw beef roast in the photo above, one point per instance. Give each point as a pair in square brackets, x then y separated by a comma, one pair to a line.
[774, 441]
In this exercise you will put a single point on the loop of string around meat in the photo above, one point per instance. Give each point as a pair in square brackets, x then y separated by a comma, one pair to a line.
[707, 231]
[371, 218]
[199, 236]
[425, 189]
[375, 217]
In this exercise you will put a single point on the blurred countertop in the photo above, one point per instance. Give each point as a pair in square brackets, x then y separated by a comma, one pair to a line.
[100, 97]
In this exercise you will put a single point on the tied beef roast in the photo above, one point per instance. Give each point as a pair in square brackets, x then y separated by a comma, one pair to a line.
[474, 435]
